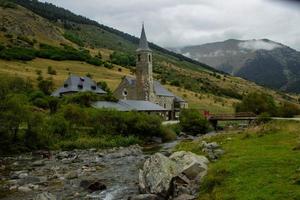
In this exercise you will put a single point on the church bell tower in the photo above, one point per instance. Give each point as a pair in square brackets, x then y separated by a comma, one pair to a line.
[144, 78]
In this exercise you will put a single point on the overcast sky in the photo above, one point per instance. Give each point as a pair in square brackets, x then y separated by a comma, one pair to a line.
[176, 23]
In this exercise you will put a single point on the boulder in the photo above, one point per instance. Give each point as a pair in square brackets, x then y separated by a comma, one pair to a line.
[212, 145]
[174, 176]
[190, 164]
[185, 197]
[144, 197]
[24, 189]
[45, 196]
[38, 163]
[157, 173]
[92, 186]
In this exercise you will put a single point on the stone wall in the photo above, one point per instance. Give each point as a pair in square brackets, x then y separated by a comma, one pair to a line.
[125, 86]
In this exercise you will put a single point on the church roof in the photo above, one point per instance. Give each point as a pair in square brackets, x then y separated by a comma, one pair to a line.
[129, 105]
[76, 83]
[143, 45]
[159, 89]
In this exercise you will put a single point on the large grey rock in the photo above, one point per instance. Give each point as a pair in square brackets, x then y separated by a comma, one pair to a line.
[45, 196]
[190, 164]
[157, 173]
[174, 176]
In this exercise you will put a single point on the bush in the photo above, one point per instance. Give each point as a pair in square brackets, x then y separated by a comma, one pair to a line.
[95, 61]
[122, 59]
[74, 38]
[46, 86]
[58, 125]
[257, 103]
[168, 134]
[51, 71]
[18, 53]
[288, 110]
[192, 122]
[263, 118]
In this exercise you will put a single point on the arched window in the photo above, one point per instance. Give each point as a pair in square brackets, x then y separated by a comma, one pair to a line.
[149, 58]
[125, 93]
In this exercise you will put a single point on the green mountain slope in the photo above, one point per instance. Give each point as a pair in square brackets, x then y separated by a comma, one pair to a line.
[66, 36]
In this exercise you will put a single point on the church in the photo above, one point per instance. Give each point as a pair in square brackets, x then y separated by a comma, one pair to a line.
[144, 88]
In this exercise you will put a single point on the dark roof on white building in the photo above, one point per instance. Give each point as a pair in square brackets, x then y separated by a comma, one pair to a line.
[76, 83]
[129, 105]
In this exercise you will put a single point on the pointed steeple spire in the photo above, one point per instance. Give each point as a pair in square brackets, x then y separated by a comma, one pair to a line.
[143, 45]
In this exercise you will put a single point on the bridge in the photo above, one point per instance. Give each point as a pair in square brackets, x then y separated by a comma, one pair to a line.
[242, 116]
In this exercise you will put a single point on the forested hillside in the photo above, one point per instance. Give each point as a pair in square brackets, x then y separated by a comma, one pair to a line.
[65, 37]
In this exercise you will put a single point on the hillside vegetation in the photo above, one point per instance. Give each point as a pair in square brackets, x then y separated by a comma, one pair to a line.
[259, 163]
[107, 55]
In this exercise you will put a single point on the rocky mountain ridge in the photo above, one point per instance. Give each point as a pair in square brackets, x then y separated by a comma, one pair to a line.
[263, 61]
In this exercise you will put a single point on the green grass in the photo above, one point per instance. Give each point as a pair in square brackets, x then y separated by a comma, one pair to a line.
[106, 141]
[258, 164]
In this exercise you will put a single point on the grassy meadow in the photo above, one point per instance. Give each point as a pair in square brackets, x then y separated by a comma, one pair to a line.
[112, 77]
[259, 163]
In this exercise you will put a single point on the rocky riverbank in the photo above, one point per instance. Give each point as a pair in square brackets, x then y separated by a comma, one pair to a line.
[114, 174]
[78, 174]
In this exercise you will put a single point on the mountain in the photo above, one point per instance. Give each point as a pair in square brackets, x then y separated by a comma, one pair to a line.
[263, 61]
[36, 36]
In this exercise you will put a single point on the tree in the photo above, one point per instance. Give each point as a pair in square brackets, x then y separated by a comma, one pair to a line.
[257, 103]
[14, 111]
[46, 86]
[288, 110]
[192, 122]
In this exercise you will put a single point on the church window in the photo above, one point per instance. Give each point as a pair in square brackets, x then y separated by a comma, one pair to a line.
[165, 105]
[125, 93]
[149, 58]
[139, 57]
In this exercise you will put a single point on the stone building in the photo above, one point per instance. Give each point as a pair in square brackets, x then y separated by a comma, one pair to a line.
[144, 88]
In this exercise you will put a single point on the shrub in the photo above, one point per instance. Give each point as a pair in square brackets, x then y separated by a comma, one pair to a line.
[46, 86]
[51, 71]
[192, 122]
[73, 38]
[168, 134]
[95, 61]
[122, 59]
[263, 118]
[257, 103]
[18, 53]
[58, 125]
[82, 98]
[288, 110]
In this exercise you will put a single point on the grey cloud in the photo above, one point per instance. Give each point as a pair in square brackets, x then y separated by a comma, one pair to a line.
[173, 23]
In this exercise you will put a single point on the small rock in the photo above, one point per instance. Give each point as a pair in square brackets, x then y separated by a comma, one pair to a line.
[144, 197]
[22, 175]
[93, 150]
[156, 140]
[185, 197]
[71, 175]
[24, 189]
[38, 163]
[92, 186]
[2, 167]
[14, 187]
[45, 196]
